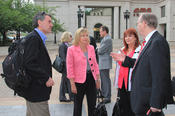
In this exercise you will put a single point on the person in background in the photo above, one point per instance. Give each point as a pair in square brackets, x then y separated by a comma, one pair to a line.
[83, 72]
[93, 42]
[105, 63]
[38, 66]
[65, 87]
[123, 73]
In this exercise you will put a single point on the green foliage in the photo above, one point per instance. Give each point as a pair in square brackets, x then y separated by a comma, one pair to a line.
[17, 15]
[57, 27]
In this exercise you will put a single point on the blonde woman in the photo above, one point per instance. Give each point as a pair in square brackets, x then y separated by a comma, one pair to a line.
[66, 38]
[83, 72]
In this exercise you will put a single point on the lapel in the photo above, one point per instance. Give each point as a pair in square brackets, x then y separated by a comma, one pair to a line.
[146, 47]
[80, 51]
[89, 51]
[42, 44]
[102, 40]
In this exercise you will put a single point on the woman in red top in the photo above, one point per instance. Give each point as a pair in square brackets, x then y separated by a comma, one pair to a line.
[123, 73]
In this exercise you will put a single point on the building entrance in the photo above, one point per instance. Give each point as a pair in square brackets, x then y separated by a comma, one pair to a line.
[95, 17]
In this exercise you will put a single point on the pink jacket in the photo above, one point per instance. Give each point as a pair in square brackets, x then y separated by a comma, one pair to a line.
[77, 63]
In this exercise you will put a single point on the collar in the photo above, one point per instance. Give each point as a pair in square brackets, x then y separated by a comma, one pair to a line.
[149, 36]
[106, 36]
[66, 43]
[42, 35]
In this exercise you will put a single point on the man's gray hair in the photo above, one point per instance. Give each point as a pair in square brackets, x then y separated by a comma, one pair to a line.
[39, 16]
[150, 19]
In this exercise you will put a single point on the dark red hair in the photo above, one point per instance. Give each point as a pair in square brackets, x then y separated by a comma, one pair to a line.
[131, 31]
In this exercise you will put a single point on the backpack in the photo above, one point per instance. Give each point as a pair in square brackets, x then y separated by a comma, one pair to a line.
[14, 73]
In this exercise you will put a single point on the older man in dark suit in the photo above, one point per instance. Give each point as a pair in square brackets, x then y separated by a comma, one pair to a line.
[38, 66]
[151, 87]
[151, 77]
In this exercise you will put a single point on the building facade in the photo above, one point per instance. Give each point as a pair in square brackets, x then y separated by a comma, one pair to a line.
[112, 13]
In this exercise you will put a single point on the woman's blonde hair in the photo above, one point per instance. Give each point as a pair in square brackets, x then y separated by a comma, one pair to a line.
[78, 35]
[65, 37]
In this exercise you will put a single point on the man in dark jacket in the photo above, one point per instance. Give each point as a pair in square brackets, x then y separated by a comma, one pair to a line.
[38, 66]
[151, 77]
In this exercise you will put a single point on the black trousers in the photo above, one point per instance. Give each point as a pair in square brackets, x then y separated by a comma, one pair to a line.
[88, 88]
[124, 103]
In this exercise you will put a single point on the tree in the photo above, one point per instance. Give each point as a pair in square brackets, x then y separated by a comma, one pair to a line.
[17, 15]
[56, 28]
[6, 17]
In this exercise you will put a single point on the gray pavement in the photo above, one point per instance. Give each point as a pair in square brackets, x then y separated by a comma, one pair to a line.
[15, 106]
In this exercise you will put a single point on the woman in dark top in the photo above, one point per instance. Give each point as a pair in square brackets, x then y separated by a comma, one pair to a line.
[66, 38]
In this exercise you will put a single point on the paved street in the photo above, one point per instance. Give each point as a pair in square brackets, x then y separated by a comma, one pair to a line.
[15, 106]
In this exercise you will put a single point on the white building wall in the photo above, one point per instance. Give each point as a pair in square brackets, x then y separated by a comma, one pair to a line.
[133, 19]
[171, 31]
[66, 11]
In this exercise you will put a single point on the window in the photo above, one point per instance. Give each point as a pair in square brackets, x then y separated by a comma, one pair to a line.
[163, 11]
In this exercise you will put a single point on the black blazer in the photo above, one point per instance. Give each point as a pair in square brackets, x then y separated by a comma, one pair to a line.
[151, 85]
[38, 66]
[63, 53]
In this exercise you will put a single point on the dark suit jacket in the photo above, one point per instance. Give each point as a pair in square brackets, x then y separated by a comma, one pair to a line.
[93, 42]
[38, 66]
[63, 53]
[151, 85]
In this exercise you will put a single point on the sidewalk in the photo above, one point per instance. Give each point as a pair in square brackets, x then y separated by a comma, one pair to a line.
[15, 106]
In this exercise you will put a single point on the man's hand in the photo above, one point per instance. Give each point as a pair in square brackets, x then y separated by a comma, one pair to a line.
[118, 56]
[50, 82]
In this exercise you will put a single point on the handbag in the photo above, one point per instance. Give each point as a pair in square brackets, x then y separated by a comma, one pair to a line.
[116, 108]
[58, 64]
[100, 109]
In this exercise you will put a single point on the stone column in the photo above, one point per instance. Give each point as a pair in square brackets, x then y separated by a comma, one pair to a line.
[170, 14]
[116, 22]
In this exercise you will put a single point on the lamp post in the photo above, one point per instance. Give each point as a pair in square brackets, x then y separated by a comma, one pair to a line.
[126, 16]
[80, 15]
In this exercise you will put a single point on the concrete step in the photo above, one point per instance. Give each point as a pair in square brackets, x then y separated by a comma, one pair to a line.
[64, 110]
